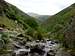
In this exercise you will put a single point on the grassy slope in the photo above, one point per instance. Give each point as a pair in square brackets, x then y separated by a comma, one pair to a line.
[60, 20]
[7, 23]
[58, 23]
[62, 27]
[12, 13]
[19, 20]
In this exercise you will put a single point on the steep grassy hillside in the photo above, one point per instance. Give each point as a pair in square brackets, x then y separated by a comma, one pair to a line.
[7, 23]
[14, 19]
[60, 20]
[62, 26]
[12, 13]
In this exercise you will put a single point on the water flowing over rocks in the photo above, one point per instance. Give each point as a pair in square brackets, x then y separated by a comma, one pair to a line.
[36, 48]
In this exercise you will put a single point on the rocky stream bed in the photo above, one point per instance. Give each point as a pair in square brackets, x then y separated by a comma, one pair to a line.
[36, 48]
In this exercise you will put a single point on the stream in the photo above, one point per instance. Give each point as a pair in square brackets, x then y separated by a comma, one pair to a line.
[37, 48]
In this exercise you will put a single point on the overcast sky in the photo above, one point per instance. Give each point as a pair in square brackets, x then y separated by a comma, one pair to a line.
[43, 7]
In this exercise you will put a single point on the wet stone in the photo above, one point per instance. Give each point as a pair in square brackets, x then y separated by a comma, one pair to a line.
[37, 48]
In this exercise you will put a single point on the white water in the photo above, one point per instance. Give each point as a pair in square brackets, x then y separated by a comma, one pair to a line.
[19, 50]
[48, 47]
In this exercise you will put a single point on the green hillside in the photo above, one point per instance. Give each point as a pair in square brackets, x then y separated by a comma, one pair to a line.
[60, 20]
[62, 26]
[14, 14]
[14, 19]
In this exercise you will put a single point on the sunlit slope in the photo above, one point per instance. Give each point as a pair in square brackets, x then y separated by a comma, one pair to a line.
[11, 12]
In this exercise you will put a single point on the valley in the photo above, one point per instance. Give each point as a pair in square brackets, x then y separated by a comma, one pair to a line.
[30, 34]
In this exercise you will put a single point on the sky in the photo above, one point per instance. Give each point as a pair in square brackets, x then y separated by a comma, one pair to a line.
[42, 7]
